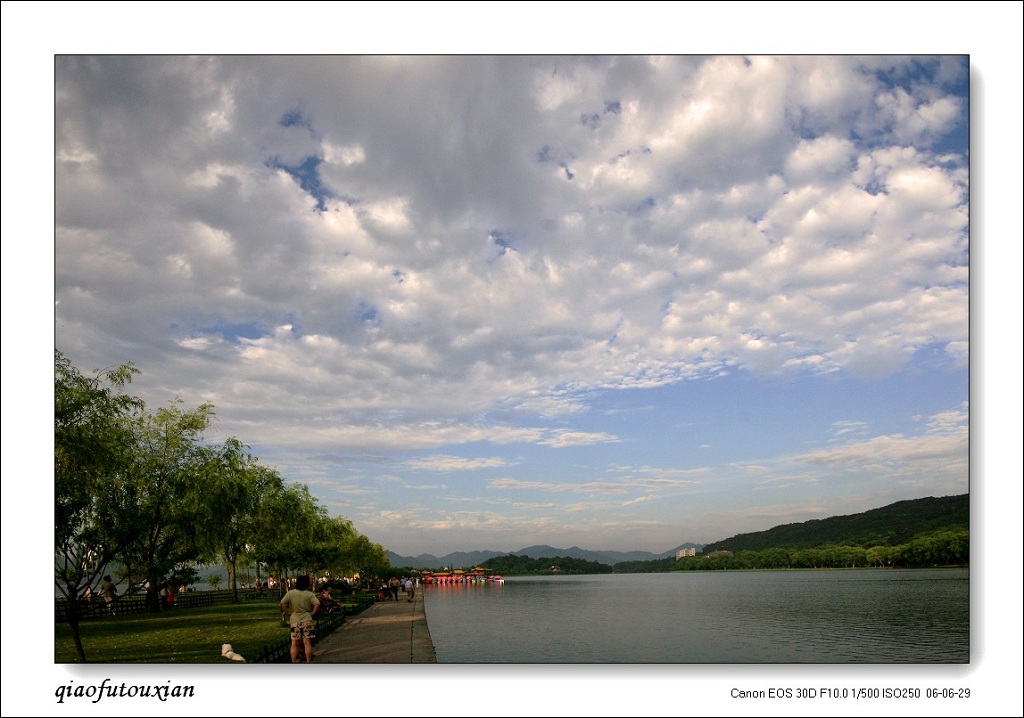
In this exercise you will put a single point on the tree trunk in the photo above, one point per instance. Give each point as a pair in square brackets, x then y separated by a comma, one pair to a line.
[231, 579]
[153, 596]
[74, 617]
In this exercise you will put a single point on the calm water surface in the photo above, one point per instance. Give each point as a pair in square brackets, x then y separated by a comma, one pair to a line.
[855, 616]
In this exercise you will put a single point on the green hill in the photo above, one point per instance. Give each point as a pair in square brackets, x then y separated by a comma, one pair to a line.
[890, 525]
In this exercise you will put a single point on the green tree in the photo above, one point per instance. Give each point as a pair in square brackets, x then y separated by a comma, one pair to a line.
[285, 529]
[370, 560]
[774, 558]
[334, 546]
[851, 556]
[159, 494]
[234, 486]
[92, 449]
[879, 556]
[957, 547]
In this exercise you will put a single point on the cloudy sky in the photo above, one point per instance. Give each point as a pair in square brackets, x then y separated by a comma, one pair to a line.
[483, 302]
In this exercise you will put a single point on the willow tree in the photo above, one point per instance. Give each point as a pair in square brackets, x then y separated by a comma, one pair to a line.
[234, 488]
[165, 475]
[293, 532]
[335, 544]
[93, 450]
[285, 529]
[369, 560]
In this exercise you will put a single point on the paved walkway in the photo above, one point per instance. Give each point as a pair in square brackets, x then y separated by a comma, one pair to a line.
[386, 632]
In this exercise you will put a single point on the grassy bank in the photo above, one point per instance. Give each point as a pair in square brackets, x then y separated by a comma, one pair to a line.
[188, 635]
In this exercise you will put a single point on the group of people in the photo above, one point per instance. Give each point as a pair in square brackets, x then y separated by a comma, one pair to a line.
[391, 588]
[167, 594]
[108, 592]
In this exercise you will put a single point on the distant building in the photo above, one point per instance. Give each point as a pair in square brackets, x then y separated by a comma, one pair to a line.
[680, 553]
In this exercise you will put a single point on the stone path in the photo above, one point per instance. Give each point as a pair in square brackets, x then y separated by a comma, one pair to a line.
[386, 632]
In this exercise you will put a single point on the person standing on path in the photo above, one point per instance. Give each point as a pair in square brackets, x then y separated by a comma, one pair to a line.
[410, 589]
[302, 605]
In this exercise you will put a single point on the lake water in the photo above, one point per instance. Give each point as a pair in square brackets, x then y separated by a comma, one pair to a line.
[824, 616]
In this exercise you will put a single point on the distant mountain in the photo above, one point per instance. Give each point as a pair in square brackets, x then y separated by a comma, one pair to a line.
[890, 525]
[609, 557]
[462, 559]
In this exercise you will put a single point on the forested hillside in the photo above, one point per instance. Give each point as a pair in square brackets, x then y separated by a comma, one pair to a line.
[890, 525]
[918, 533]
[512, 565]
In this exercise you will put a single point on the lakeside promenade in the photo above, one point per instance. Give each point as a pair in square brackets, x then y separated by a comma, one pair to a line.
[386, 632]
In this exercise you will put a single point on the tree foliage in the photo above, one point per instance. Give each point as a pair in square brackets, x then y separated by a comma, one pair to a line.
[660, 565]
[513, 565]
[162, 487]
[92, 451]
[145, 492]
[234, 487]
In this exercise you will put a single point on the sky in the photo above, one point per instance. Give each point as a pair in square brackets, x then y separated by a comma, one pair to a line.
[485, 302]
[622, 279]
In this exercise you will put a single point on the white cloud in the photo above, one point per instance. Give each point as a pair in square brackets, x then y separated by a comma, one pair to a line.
[559, 439]
[479, 253]
[398, 279]
[454, 463]
[940, 452]
[589, 487]
[819, 158]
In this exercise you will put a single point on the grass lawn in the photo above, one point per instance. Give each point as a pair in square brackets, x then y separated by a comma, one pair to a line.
[181, 635]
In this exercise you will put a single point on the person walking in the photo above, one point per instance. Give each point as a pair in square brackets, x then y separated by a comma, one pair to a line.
[109, 592]
[302, 605]
[410, 589]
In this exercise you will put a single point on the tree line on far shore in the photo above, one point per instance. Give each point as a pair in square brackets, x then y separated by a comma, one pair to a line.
[145, 491]
[513, 565]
